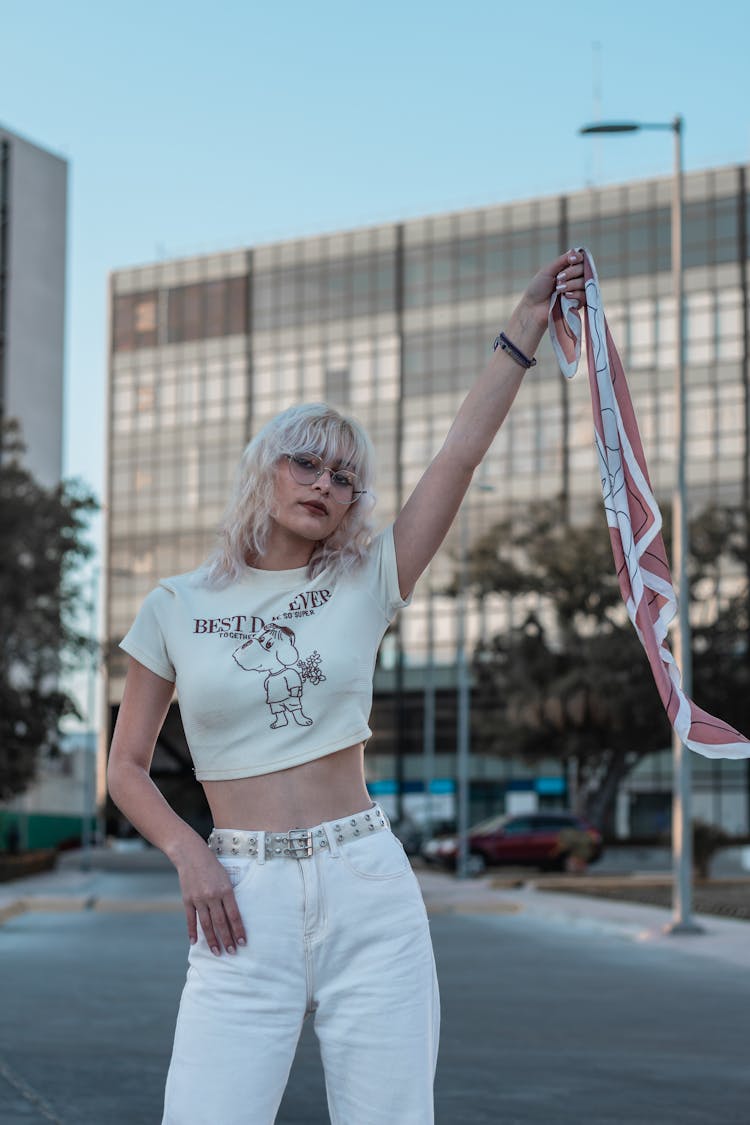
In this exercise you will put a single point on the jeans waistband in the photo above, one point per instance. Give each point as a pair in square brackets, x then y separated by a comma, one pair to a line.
[297, 843]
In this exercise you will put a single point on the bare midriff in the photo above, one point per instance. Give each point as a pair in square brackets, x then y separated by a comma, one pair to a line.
[324, 789]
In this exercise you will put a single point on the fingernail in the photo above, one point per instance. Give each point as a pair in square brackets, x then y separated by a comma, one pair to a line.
[572, 257]
[240, 941]
[215, 950]
[193, 940]
[561, 275]
[559, 288]
[231, 949]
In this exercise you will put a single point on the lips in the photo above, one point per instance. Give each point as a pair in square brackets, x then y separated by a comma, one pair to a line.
[314, 506]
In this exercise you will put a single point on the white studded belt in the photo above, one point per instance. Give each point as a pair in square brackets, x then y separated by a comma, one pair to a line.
[297, 843]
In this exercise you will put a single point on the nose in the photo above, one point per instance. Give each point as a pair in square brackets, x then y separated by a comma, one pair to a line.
[324, 481]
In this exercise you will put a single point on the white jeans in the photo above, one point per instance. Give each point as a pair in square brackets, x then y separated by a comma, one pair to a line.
[342, 935]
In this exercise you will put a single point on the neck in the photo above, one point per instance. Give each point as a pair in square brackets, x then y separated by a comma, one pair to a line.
[284, 551]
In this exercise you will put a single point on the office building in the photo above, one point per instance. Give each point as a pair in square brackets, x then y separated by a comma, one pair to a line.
[33, 235]
[33, 238]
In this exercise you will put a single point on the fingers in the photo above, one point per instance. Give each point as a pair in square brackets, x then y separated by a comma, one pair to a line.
[216, 928]
[192, 925]
[221, 924]
[570, 258]
[208, 898]
[234, 919]
[569, 279]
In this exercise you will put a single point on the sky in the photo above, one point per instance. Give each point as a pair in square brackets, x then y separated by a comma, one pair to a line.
[192, 127]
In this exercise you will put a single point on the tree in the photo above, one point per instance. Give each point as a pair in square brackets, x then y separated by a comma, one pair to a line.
[721, 640]
[42, 547]
[570, 680]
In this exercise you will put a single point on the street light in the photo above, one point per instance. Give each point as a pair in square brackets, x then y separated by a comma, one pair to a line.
[463, 691]
[463, 711]
[428, 731]
[90, 805]
[682, 844]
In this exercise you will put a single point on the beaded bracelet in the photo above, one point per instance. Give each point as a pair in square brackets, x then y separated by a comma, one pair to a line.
[514, 352]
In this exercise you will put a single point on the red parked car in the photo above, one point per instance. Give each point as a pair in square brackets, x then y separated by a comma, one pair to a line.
[540, 839]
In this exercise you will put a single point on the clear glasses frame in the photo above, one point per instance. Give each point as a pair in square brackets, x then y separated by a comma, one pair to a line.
[306, 468]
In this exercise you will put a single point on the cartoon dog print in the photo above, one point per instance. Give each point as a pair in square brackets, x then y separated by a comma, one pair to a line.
[274, 652]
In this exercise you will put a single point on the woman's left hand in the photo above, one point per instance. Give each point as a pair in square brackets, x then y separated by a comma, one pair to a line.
[563, 275]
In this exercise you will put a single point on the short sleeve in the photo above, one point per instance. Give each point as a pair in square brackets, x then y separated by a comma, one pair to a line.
[385, 574]
[146, 639]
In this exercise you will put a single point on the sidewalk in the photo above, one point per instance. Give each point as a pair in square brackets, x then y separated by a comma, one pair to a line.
[145, 881]
[723, 939]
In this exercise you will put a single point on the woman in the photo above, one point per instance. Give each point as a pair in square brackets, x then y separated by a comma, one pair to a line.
[303, 902]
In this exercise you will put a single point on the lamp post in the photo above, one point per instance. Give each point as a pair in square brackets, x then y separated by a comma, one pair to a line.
[463, 693]
[428, 733]
[682, 843]
[463, 709]
[90, 756]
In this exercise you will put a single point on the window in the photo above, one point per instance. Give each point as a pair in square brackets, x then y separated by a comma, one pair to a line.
[134, 321]
[337, 385]
[206, 310]
[519, 826]
[554, 823]
[144, 315]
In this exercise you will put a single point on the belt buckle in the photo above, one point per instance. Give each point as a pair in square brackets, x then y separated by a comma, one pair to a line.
[306, 842]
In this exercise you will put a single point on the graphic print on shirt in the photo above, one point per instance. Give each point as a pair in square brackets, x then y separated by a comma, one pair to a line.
[273, 651]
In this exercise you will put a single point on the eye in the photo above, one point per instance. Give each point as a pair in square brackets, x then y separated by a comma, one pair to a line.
[305, 460]
[342, 479]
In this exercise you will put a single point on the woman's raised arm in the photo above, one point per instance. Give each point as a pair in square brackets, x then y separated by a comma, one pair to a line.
[430, 510]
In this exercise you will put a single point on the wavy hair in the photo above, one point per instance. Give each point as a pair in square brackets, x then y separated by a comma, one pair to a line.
[246, 524]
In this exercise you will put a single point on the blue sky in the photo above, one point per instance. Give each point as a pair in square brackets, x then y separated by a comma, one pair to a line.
[193, 127]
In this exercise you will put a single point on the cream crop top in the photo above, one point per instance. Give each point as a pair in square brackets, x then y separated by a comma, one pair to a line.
[275, 669]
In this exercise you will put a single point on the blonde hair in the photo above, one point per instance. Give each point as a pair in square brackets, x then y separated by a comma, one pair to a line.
[244, 530]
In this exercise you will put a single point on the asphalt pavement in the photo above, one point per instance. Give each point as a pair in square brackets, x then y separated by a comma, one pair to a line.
[557, 1010]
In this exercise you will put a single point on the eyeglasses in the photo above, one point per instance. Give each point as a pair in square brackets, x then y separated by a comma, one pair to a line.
[306, 468]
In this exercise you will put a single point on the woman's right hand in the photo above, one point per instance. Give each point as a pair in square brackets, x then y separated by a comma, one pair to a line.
[208, 896]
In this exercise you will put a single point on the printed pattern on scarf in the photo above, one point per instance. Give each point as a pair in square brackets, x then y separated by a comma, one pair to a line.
[633, 515]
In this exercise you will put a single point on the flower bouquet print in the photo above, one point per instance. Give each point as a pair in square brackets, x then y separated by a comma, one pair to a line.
[633, 515]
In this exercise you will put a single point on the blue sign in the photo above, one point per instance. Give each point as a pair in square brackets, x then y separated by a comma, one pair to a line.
[383, 788]
[550, 786]
[386, 786]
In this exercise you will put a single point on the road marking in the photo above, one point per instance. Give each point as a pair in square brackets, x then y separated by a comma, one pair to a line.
[29, 1095]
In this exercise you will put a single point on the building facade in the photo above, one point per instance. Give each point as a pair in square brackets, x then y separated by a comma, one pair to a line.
[33, 245]
[392, 323]
[33, 240]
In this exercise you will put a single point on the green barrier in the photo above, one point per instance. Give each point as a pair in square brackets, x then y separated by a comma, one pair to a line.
[39, 830]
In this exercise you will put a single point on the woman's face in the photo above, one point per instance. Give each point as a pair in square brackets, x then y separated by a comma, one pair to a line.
[306, 510]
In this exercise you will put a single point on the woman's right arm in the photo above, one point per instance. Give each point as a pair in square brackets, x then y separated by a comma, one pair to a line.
[206, 889]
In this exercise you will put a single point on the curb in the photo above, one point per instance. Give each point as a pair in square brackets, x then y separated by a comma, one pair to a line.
[473, 907]
[72, 905]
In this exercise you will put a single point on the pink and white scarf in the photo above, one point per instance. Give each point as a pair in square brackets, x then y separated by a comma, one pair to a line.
[633, 515]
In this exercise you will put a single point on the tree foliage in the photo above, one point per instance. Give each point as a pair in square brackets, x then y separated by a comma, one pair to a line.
[569, 679]
[42, 547]
[720, 542]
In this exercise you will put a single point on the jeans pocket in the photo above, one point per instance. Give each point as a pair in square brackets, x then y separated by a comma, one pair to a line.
[240, 871]
[376, 856]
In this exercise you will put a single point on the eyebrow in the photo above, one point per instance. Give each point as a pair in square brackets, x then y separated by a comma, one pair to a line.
[335, 462]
